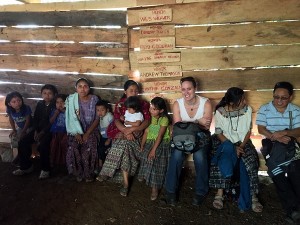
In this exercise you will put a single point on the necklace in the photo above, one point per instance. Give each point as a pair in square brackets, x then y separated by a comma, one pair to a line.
[193, 104]
[237, 122]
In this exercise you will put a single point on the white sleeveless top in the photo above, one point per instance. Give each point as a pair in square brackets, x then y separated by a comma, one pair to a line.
[200, 111]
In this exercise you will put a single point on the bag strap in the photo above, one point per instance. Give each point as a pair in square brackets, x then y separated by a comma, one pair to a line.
[291, 119]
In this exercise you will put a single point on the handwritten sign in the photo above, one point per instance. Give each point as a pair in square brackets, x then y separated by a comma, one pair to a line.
[155, 43]
[169, 98]
[155, 16]
[160, 71]
[158, 57]
[157, 30]
[162, 86]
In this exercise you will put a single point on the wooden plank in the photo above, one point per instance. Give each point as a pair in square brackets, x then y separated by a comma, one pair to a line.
[65, 49]
[60, 80]
[224, 58]
[154, 2]
[249, 79]
[75, 34]
[226, 12]
[155, 16]
[69, 18]
[68, 64]
[66, 6]
[226, 35]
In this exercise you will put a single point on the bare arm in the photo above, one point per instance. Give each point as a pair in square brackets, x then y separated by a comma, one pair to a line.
[134, 124]
[176, 113]
[205, 121]
[161, 133]
[144, 139]
[268, 134]
[13, 126]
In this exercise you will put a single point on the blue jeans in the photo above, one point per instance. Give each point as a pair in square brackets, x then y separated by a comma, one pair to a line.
[175, 167]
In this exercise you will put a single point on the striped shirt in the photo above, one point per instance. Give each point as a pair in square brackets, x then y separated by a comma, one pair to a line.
[269, 117]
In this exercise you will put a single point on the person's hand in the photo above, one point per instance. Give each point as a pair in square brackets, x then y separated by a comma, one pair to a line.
[130, 137]
[85, 137]
[107, 142]
[127, 130]
[151, 154]
[239, 151]
[13, 133]
[204, 122]
[78, 138]
[278, 134]
[284, 139]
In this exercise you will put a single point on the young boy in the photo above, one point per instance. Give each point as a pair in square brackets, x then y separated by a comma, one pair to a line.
[40, 134]
[103, 110]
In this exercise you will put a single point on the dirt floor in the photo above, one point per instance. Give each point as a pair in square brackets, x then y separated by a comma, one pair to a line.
[60, 200]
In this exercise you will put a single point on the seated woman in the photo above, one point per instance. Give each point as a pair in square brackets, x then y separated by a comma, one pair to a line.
[122, 158]
[233, 151]
[190, 108]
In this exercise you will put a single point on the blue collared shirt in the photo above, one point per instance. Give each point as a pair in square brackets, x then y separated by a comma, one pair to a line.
[269, 117]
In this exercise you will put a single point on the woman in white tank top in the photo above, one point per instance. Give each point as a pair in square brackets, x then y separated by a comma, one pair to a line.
[189, 108]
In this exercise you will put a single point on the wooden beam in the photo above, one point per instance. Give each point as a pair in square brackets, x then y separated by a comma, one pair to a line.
[225, 12]
[29, 1]
[68, 64]
[227, 58]
[79, 50]
[75, 34]
[69, 18]
[67, 6]
[226, 35]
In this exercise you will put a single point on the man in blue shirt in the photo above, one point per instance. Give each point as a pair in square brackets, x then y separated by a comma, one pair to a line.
[279, 120]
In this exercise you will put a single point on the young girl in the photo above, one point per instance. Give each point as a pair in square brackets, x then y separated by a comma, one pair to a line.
[155, 147]
[133, 116]
[81, 124]
[103, 110]
[41, 135]
[58, 146]
[233, 149]
[19, 118]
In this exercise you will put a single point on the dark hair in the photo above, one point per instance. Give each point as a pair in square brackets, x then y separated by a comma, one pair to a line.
[285, 85]
[62, 96]
[134, 103]
[49, 87]
[104, 103]
[12, 95]
[160, 104]
[85, 80]
[233, 95]
[190, 79]
[128, 84]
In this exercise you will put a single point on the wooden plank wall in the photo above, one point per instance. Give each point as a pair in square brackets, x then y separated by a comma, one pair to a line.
[249, 44]
[62, 47]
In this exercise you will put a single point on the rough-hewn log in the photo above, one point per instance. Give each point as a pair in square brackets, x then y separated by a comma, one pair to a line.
[76, 34]
[70, 18]
[65, 49]
[68, 64]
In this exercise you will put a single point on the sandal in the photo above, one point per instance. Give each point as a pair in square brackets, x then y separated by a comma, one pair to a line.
[124, 191]
[218, 202]
[256, 205]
